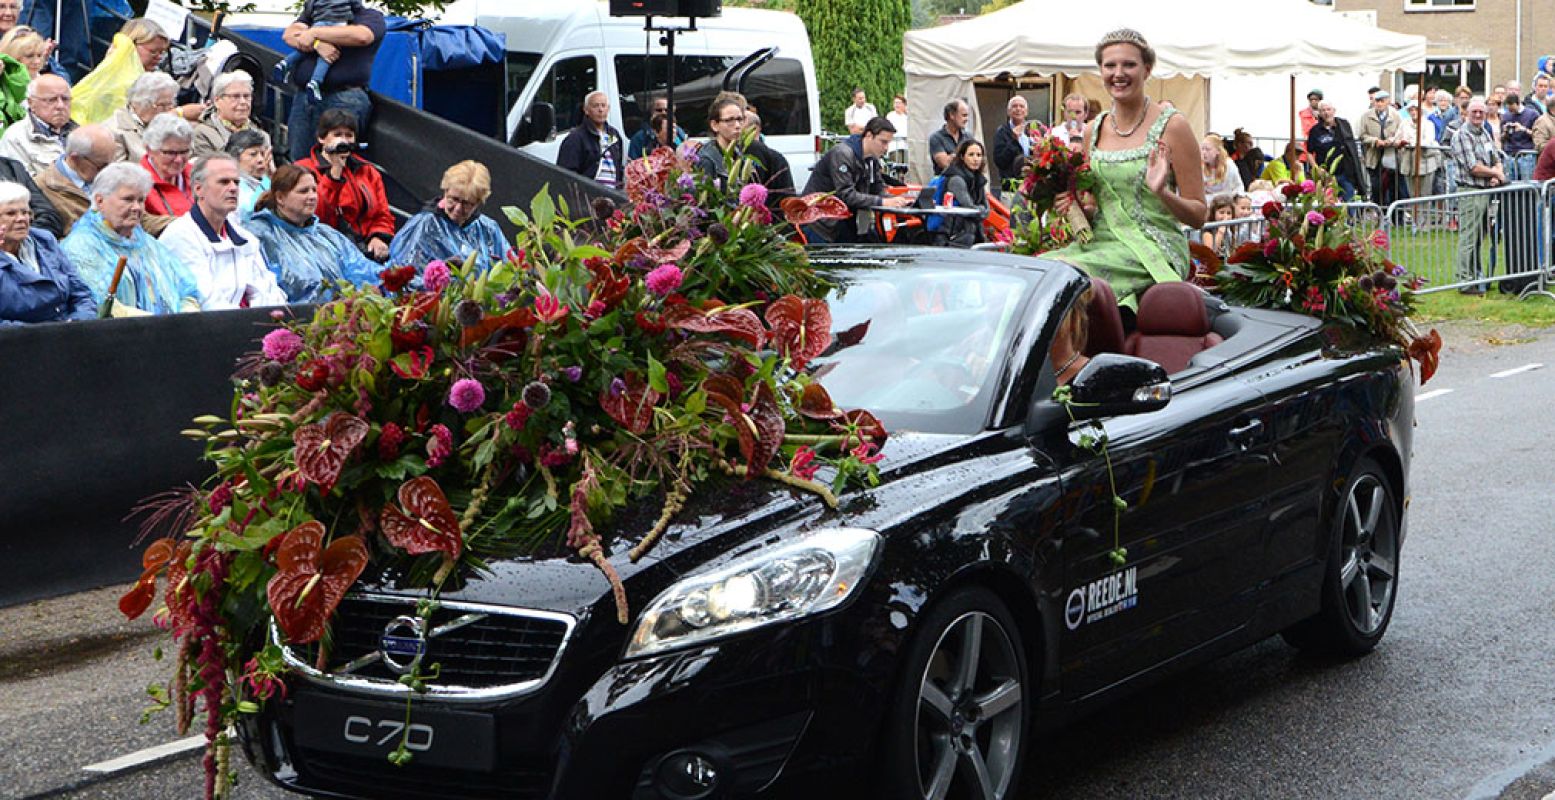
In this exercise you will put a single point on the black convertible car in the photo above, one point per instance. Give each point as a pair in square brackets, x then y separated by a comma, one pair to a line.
[1014, 566]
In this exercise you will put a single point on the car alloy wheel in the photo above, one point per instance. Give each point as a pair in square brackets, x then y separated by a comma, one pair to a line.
[1360, 583]
[1368, 554]
[971, 712]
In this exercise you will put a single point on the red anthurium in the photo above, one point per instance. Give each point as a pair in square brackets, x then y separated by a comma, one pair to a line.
[816, 403]
[427, 524]
[520, 319]
[139, 597]
[814, 208]
[801, 328]
[759, 425]
[412, 366]
[864, 424]
[312, 579]
[739, 323]
[1427, 350]
[607, 288]
[321, 449]
[630, 403]
[177, 584]
[649, 172]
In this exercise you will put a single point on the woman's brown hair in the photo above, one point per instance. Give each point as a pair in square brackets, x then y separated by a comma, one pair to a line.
[285, 179]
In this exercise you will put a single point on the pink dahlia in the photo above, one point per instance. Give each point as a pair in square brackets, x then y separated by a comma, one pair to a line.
[282, 345]
[753, 195]
[466, 395]
[1316, 218]
[437, 277]
[665, 279]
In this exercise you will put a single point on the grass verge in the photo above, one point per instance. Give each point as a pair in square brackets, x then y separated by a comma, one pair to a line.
[1494, 307]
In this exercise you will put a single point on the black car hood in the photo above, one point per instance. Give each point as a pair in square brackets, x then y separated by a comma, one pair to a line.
[720, 516]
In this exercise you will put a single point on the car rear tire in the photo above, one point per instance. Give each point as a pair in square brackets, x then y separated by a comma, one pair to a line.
[958, 720]
[1360, 583]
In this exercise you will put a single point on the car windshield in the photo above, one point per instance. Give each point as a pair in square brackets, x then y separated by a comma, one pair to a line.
[923, 348]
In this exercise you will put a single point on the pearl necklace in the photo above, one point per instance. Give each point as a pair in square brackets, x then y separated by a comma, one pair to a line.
[1113, 118]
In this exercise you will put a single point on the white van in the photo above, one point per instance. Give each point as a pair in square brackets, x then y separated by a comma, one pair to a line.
[560, 50]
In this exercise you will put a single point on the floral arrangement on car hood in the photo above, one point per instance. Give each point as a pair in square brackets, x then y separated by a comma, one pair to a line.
[1315, 260]
[487, 412]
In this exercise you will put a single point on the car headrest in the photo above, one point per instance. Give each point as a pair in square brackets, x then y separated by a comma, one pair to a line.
[1173, 309]
[1106, 330]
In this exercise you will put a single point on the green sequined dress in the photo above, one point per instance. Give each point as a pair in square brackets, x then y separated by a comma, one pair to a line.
[1136, 241]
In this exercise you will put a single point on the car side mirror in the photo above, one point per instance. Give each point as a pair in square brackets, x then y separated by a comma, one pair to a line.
[1113, 385]
[536, 125]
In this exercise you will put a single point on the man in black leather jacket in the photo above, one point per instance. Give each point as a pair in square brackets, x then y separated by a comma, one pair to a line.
[588, 144]
[852, 171]
[43, 214]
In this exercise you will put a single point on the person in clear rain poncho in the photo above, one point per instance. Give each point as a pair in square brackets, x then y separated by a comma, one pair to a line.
[307, 257]
[453, 228]
[154, 280]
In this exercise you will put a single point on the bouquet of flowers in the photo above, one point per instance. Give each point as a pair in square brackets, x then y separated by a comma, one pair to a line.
[1315, 260]
[498, 411]
[1055, 170]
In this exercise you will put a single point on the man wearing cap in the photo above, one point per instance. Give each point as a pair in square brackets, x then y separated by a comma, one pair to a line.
[1380, 135]
[1479, 167]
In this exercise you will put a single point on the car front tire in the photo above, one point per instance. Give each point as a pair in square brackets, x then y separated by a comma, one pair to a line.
[959, 717]
[1360, 583]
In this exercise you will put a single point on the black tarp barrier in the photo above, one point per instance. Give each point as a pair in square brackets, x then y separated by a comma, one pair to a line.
[413, 148]
[92, 412]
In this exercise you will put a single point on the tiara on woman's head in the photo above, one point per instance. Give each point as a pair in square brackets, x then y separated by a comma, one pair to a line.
[1124, 36]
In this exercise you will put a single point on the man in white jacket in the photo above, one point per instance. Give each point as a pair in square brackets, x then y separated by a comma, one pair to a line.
[226, 260]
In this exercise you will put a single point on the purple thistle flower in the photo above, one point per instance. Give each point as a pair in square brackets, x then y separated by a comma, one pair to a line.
[536, 395]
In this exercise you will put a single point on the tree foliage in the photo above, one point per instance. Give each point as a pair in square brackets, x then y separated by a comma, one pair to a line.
[856, 43]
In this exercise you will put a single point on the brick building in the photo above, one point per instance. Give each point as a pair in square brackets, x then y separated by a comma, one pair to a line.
[1470, 42]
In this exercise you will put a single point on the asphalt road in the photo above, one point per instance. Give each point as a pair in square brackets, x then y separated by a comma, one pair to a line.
[1458, 702]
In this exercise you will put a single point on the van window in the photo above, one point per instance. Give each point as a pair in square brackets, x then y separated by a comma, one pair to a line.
[565, 86]
[777, 90]
[521, 67]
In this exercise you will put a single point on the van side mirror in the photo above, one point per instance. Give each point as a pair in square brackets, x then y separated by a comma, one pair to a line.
[1112, 385]
[536, 125]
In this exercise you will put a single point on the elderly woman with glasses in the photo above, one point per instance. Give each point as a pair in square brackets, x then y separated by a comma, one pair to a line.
[154, 280]
[37, 281]
[151, 94]
[232, 103]
[453, 229]
[168, 142]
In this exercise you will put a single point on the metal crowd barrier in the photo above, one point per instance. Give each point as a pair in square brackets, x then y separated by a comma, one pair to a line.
[1470, 240]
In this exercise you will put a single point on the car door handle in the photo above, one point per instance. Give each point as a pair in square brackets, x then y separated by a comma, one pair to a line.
[1243, 436]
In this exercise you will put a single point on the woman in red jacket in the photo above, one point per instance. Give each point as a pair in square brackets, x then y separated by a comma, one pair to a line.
[168, 139]
[351, 196]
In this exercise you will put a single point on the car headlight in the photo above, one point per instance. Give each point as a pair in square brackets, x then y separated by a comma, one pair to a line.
[813, 573]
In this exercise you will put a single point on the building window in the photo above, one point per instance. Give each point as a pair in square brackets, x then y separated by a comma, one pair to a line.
[1438, 5]
[1449, 74]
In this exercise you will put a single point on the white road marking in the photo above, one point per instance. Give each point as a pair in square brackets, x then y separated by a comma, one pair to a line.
[1424, 396]
[1506, 373]
[150, 754]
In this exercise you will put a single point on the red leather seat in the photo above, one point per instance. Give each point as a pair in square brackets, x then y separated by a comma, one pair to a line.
[1172, 326]
[1106, 329]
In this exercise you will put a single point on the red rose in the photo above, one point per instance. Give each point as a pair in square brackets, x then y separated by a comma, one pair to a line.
[1272, 209]
[407, 339]
[1290, 190]
[312, 377]
[397, 278]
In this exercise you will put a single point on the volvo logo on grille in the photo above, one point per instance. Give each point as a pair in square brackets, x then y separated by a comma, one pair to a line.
[403, 643]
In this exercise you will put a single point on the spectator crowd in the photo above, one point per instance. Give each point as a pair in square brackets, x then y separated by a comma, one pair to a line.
[126, 167]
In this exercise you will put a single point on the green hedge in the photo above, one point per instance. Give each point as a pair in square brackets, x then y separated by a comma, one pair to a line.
[856, 43]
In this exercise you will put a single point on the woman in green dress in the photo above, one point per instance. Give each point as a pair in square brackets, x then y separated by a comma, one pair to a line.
[1149, 180]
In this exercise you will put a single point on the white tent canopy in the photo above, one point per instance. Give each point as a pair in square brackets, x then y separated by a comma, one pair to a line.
[1190, 37]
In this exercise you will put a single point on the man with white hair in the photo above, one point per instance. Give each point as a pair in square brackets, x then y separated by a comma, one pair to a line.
[1479, 167]
[593, 148]
[1012, 143]
[67, 183]
[39, 138]
[226, 260]
[155, 281]
[232, 104]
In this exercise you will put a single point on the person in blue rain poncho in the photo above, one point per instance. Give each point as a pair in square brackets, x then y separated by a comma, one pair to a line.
[307, 257]
[453, 228]
[154, 280]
